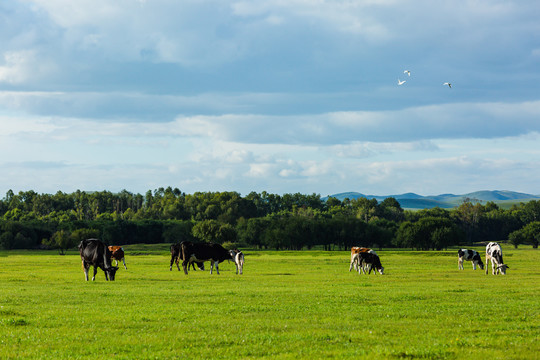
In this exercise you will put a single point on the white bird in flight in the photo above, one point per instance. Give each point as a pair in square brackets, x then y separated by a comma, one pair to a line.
[449, 84]
[399, 82]
[408, 72]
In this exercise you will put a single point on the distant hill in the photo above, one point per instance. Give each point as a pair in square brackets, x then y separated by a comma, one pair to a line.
[446, 201]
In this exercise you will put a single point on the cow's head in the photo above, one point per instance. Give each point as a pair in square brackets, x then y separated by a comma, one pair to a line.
[480, 263]
[381, 270]
[111, 272]
[233, 253]
[502, 268]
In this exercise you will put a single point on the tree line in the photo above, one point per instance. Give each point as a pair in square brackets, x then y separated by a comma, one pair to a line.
[260, 220]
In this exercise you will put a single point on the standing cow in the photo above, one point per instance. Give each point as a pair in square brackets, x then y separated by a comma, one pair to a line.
[238, 260]
[200, 252]
[117, 254]
[494, 254]
[469, 255]
[366, 261]
[176, 256]
[356, 250]
[94, 252]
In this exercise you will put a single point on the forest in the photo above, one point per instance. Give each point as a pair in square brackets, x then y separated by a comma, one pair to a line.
[29, 220]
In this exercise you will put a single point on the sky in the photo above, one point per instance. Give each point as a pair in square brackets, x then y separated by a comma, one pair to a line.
[282, 96]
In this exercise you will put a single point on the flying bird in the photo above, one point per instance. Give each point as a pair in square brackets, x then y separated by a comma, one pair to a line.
[449, 84]
[399, 82]
[407, 72]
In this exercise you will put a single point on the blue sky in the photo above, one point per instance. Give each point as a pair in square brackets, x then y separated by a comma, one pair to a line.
[277, 96]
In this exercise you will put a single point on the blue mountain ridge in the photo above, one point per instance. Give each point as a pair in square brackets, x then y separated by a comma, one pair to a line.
[415, 201]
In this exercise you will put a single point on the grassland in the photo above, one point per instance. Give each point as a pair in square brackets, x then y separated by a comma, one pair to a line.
[287, 305]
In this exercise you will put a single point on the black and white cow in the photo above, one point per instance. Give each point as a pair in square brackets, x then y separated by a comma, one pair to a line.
[94, 252]
[238, 260]
[176, 256]
[366, 261]
[356, 250]
[200, 252]
[469, 255]
[494, 253]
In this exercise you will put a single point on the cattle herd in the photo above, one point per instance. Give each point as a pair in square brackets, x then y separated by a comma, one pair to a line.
[95, 253]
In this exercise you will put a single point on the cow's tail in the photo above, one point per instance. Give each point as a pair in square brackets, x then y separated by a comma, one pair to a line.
[182, 253]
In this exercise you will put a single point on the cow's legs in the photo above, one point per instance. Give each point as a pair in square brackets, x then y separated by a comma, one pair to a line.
[460, 263]
[124, 261]
[95, 272]
[474, 265]
[353, 263]
[86, 267]
[105, 272]
[217, 267]
[368, 268]
[487, 263]
[185, 264]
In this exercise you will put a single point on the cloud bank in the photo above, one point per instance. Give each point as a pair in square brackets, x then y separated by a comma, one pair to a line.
[282, 96]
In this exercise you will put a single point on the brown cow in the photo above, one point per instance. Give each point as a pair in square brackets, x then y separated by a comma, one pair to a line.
[117, 253]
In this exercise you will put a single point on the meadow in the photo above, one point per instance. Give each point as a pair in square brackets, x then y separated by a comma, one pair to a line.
[286, 305]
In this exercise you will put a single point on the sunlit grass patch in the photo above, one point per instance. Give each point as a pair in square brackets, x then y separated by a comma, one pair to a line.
[287, 305]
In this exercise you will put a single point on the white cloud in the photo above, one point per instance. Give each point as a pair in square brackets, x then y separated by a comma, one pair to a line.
[361, 150]
[356, 133]
[460, 120]
[261, 170]
[17, 66]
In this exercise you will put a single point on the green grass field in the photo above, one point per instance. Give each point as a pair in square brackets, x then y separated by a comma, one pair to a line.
[287, 305]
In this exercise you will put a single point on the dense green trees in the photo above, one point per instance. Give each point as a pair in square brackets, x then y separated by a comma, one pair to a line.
[263, 220]
[529, 234]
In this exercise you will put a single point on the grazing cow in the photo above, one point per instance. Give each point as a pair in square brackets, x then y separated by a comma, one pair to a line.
[94, 252]
[238, 257]
[366, 261]
[176, 250]
[469, 255]
[494, 253]
[200, 252]
[357, 250]
[117, 253]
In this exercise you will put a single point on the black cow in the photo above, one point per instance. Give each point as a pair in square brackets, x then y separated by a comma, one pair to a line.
[176, 256]
[94, 252]
[368, 260]
[200, 252]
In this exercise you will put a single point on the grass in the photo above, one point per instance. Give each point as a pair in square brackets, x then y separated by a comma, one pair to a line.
[287, 305]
